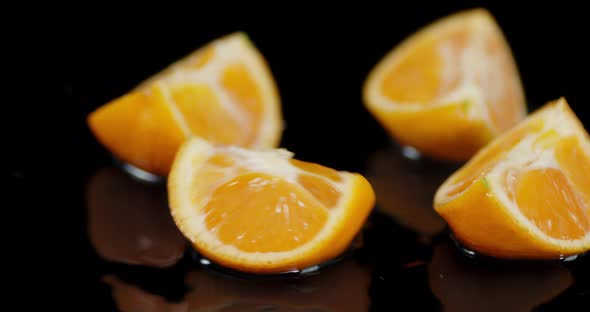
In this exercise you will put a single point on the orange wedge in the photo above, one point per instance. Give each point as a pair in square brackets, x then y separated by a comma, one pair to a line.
[526, 194]
[223, 92]
[263, 211]
[449, 89]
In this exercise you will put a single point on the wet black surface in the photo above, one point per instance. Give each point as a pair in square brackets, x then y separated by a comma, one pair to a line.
[404, 257]
[79, 234]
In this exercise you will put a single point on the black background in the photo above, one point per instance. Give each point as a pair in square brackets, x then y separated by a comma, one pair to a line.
[59, 62]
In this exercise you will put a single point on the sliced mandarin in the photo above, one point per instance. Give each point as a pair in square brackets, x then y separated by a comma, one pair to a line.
[525, 195]
[263, 211]
[223, 92]
[448, 89]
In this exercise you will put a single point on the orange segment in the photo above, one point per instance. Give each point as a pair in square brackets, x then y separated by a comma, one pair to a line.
[321, 189]
[423, 76]
[223, 92]
[203, 113]
[243, 90]
[448, 89]
[569, 223]
[572, 157]
[525, 195]
[257, 212]
[270, 216]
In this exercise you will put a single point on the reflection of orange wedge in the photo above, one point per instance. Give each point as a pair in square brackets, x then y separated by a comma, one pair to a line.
[404, 189]
[223, 92]
[463, 284]
[130, 298]
[527, 193]
[448, 89]
[129, 221]
[263, 211]
[343, 287]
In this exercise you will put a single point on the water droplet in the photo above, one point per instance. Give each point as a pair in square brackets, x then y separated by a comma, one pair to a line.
[563, 258]
[144, 242]
[467, 252]
[310, 270]
[411, 153]
[140, 174]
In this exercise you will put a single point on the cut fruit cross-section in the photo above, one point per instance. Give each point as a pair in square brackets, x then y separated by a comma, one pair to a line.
[526, 194]
[263, 211]
[223, 92]
[448, 89]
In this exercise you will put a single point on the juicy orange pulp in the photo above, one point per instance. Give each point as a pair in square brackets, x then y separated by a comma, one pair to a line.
[303, 210]
[529, 184]
[203, 109]
[298, 211]
[263, 211]
[223, 92]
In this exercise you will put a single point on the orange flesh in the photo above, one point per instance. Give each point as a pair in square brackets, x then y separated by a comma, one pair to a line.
[244, 92]
[576, 165]
[434, 69]
[504, 107]
[559, 212]
[320, 170]
[257, 218]
[320, 189]
[204, 112]
[139, 127]
[418, 77]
